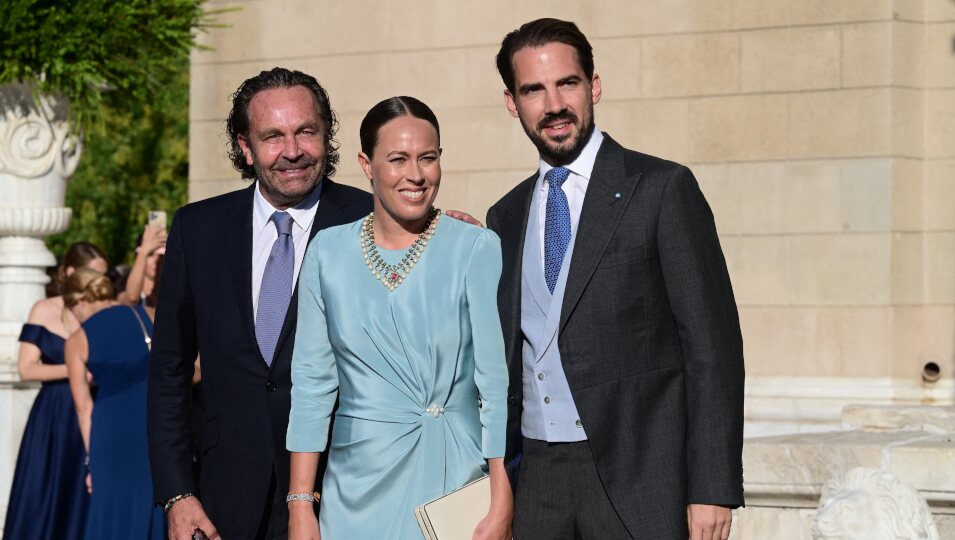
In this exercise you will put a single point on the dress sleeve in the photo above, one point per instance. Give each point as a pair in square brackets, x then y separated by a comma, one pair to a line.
[314, 371]
[31, 333]
[490, 367]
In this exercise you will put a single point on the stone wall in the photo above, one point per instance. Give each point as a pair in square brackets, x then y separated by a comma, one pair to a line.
[822, 132]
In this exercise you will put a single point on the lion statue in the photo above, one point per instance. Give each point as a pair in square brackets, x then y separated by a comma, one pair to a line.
[870, 504]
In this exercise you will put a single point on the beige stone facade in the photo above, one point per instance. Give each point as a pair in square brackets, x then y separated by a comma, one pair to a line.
[822, 133]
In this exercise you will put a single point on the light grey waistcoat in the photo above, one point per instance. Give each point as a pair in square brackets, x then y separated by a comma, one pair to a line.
[549, 410]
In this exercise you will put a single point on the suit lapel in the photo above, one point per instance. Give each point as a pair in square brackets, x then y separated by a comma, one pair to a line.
[532, 272]
[608, 193]
[238, 238]
[512, 238]
[331, 208]
[328, 214]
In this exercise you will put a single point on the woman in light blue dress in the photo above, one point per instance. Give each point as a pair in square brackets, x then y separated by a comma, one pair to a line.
[398, 320]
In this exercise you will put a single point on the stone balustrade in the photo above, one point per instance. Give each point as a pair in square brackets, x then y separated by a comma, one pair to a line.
[784, 475]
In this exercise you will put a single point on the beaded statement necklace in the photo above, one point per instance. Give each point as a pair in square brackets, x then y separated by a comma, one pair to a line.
[393, 275]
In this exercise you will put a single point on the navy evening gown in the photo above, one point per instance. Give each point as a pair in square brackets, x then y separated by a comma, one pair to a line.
[48, 498]
[121, 506]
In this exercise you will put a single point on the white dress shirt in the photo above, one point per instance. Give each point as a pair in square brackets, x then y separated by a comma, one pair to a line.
[575, 187]
[264, 235]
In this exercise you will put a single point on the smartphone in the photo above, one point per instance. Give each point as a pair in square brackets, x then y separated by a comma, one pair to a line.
[157, 218]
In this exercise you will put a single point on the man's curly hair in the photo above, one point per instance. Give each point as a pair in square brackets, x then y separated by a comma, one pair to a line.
[238, 121]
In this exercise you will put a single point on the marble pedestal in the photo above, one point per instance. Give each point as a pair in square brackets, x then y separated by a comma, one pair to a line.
[38, 154]
[784, 475]
[15, 401]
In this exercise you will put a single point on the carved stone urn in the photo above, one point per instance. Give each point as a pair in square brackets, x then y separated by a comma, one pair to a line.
[38, 154]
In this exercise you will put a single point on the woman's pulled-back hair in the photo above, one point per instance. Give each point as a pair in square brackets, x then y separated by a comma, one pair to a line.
[386, 111]
[86, 285]
[77, 256]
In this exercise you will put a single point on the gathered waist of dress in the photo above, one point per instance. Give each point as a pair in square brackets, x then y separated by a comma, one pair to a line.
[409, 411]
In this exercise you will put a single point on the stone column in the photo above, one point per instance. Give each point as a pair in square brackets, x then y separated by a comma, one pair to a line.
[37, 157]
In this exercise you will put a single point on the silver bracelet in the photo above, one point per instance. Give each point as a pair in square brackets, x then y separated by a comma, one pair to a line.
[174, 500]
[303, 496]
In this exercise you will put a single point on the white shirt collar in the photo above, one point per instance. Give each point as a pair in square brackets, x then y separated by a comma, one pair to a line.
[583, 166]
[302, 214]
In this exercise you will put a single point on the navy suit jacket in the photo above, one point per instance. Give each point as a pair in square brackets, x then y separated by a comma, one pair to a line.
[204, 308]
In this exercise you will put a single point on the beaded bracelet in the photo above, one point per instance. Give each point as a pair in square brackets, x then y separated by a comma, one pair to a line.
[310, 496]
[174, 500]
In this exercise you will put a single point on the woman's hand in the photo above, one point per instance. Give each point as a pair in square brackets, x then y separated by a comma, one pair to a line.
[302, 523]
[153, 239]
[494, 526]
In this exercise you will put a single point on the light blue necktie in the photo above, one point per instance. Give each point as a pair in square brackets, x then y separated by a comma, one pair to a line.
[276, 290]
[556, 225]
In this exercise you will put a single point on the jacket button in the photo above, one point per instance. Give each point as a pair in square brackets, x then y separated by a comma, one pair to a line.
[270, 386]
[512, 400]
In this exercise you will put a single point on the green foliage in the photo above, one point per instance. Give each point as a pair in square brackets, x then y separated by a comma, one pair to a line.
[135, 160]
[123, 67]
[96, 53]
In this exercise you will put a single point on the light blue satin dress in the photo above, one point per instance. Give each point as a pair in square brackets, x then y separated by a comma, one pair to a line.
[419, 373]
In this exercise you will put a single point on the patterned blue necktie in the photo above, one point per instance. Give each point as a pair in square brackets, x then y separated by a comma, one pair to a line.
[276, 290]
[556, 226]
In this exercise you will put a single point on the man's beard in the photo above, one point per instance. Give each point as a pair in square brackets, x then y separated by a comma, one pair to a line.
[560, 154]
[276, 189]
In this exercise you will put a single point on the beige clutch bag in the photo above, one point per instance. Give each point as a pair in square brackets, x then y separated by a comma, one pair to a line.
[455, 515]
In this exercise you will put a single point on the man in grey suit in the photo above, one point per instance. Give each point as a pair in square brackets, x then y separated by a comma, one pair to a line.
[622, 334]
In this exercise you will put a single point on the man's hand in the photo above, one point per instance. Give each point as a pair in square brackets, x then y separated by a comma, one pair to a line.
[185, 517]
[462, 216]
[709, 522]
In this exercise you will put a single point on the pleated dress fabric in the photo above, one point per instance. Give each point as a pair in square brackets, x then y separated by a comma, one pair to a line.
[419, 374]
[48, 498]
